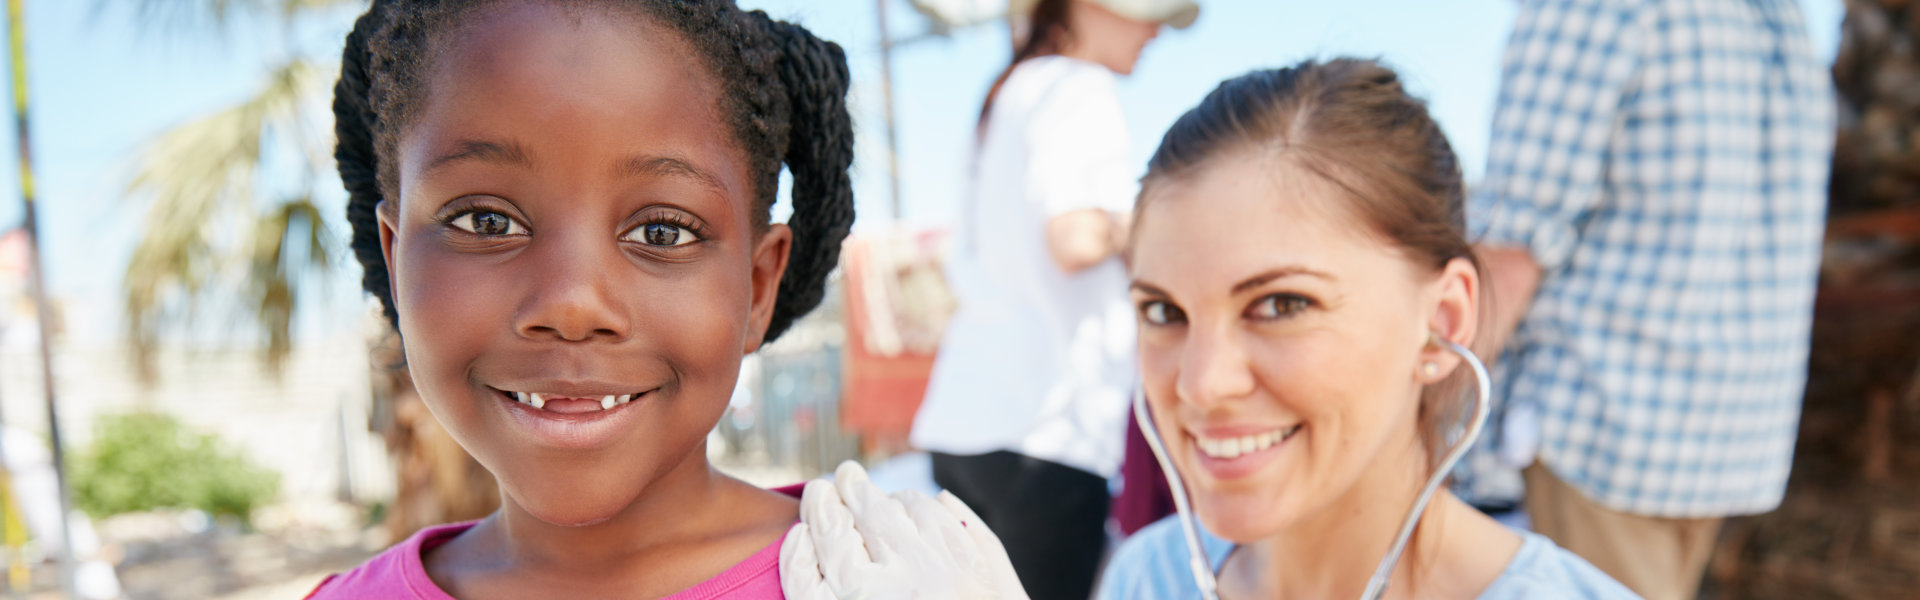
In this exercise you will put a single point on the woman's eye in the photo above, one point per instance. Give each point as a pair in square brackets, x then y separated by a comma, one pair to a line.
[485, 222]
[663, 234]
[1278, 306]
[1156, 312]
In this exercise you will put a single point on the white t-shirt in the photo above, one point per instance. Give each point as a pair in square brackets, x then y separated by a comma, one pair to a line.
[1036, 360]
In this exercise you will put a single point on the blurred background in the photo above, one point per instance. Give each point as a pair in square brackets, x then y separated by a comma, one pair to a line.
[233, 423]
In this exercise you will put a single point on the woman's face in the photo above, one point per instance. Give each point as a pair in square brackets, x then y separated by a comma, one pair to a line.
[574, 221]
[1280, 342]
[1112, 40]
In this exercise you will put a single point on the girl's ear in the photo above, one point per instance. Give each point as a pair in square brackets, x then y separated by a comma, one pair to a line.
[1455, 317]
[388, 215]
[769, 264]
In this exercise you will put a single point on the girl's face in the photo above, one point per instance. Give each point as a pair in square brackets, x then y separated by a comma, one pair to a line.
[574, 222]
[1280, 342]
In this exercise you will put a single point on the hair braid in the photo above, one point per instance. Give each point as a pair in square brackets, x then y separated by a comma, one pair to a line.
[354, 123]
[819, 149]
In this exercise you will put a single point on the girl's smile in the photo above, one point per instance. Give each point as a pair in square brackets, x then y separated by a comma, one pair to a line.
[579, 419]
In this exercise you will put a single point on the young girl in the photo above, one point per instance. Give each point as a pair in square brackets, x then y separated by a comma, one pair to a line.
[563, 205]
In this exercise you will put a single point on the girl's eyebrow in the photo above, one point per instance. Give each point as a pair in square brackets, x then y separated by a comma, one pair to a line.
[508, 152]
[512, 153]
[648, 166]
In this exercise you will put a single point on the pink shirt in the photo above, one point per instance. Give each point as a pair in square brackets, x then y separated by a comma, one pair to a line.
[398, 573]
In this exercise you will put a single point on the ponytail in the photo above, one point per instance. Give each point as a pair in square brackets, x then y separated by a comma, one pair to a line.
[1048, 29]
[819, 150]
[354, 124]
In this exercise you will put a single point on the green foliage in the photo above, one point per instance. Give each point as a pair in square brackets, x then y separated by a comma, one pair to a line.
[145, 461]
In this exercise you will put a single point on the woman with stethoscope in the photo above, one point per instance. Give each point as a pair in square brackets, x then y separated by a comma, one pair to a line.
[1305, 293]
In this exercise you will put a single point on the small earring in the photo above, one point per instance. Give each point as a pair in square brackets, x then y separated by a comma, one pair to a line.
[1430, 369]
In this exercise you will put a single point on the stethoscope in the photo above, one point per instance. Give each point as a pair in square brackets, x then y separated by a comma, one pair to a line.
[1377, 585]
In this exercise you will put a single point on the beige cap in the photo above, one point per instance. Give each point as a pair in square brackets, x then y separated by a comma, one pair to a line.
[1177, 14]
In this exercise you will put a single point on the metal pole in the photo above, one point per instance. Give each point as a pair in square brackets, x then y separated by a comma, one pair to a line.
[17, 42]
[886, 94]
[15, 563]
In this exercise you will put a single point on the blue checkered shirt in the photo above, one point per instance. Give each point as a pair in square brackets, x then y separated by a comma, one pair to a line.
[1666, 163]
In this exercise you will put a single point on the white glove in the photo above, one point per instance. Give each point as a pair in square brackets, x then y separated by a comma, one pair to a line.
[856, 543]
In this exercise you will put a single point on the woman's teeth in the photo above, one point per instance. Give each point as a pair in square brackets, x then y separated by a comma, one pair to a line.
[540, 401]
[1246, 444]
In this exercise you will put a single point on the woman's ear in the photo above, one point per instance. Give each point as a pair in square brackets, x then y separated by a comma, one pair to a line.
[770, 256]
[1455, 318]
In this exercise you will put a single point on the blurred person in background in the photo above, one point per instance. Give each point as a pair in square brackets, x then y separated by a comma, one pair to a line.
[1652, 214]
[1025, 409]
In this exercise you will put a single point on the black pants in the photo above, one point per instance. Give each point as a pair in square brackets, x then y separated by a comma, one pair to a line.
[1051, 517]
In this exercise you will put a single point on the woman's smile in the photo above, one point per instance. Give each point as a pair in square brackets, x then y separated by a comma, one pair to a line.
[1228, 453]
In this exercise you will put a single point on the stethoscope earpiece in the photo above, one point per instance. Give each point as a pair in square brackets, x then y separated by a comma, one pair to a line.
[1203, 575]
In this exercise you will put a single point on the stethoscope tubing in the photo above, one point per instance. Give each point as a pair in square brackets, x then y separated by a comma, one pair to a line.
[1203, 574]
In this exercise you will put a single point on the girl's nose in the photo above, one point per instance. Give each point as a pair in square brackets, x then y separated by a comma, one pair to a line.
[1213, 369]
[573, 297]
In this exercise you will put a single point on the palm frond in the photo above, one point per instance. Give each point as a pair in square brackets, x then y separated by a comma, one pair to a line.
[203, 227]
[196, 15]
[274, 272]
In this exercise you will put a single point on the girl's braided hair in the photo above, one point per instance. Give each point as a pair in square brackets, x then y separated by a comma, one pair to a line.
[782, 89]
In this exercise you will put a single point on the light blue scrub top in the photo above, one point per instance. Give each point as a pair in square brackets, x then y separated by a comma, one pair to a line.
[1152, 565]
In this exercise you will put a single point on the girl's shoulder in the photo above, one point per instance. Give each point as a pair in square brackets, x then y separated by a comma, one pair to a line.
[1544, 570]
[400, 573]
[395, 573]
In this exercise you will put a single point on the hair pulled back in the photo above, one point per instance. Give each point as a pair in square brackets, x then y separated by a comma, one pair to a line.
[783, 92]
[1351, 123]
[1047, 33]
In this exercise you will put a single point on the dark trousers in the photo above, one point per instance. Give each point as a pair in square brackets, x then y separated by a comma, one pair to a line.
[1051, 517]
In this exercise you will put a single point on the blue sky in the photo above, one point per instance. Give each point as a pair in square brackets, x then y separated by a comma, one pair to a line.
[103, 84]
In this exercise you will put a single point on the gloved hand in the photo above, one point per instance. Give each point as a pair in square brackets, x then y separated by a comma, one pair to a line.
[856, 543]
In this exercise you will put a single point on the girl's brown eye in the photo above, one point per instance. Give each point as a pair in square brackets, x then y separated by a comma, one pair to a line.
[664, 235]
[488, 223]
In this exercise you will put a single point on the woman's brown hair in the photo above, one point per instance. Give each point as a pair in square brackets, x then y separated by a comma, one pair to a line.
[1047, 34]
[1351, 123]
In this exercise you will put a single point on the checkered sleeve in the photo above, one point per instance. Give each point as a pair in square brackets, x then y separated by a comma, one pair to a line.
[1566, 70]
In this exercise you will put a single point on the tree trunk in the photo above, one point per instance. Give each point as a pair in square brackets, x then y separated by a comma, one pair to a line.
[437, 481]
